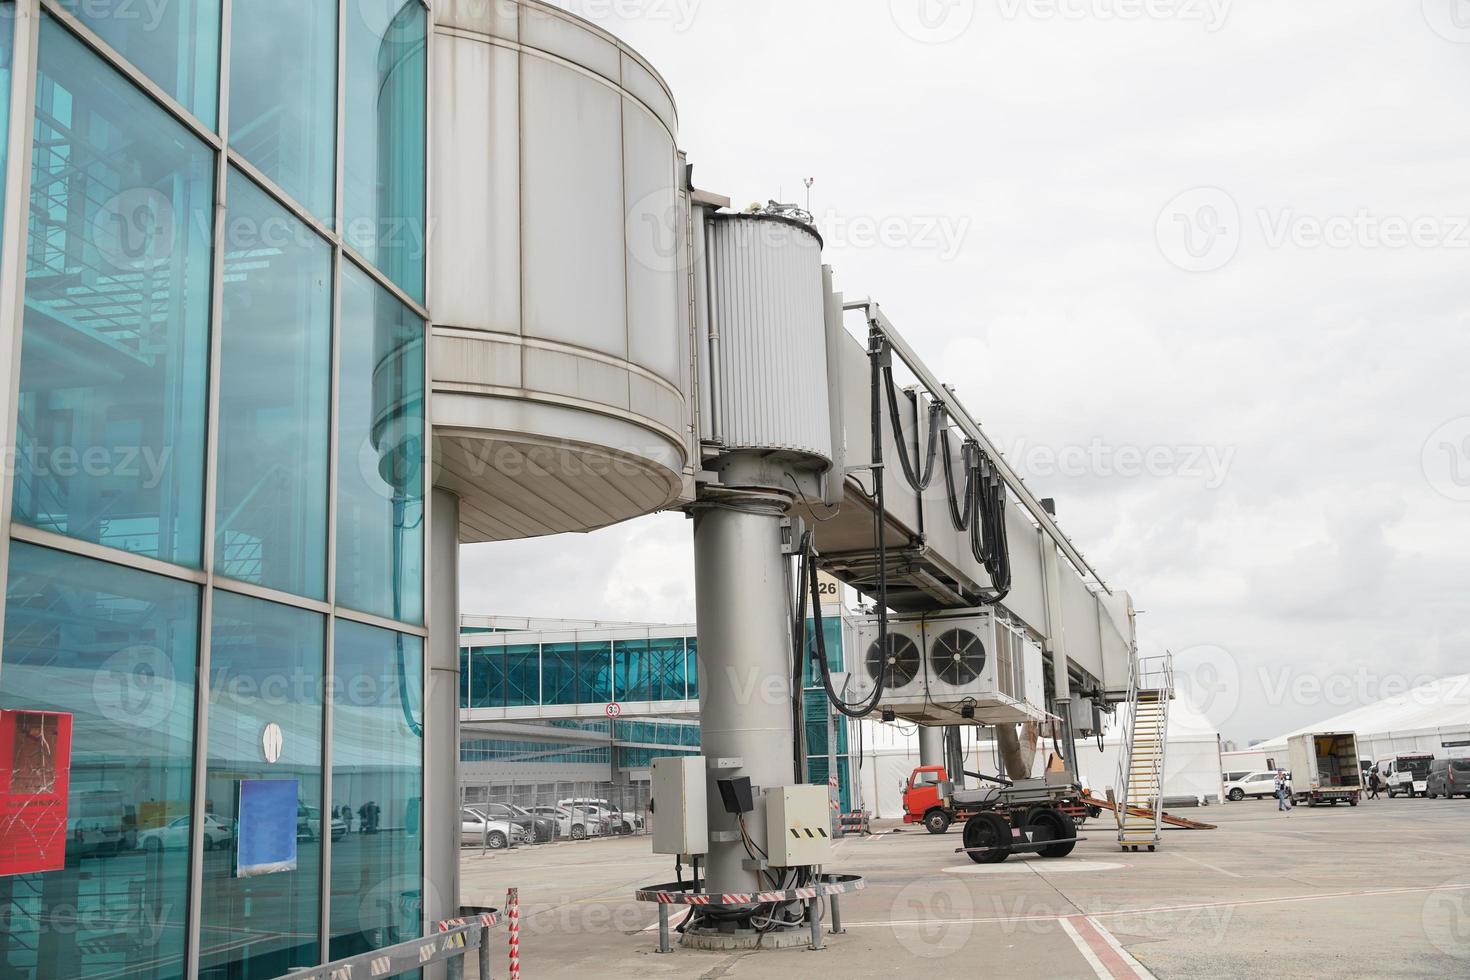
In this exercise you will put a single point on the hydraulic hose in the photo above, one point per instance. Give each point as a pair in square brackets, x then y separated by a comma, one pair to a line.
[961, 515]
[936, 425]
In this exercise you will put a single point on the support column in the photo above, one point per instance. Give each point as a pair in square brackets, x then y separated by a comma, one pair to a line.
[441, 714]
[744, 672]
[931, 747]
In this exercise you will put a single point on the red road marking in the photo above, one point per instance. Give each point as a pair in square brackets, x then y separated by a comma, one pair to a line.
[1102, 949]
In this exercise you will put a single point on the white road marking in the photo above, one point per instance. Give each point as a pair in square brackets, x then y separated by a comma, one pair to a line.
[1086, 950]
[1206, 864]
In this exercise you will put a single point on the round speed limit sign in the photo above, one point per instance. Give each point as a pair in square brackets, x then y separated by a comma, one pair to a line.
[614, 710]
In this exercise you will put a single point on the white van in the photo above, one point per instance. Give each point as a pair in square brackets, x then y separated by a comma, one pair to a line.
[1407, 774]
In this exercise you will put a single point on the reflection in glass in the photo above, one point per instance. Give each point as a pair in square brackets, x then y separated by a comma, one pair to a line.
[384, 135]
[7, 51]
[117, 649]
[275, 375]
[692, 665]
[380, 453]
[666, 669]
[110, 439]
[265, 669]
[175, 43]
[630, 658]
[377, 773]
[283, 95]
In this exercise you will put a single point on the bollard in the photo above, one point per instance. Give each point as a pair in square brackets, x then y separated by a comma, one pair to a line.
[663, 930]
[485, 968]
[513, 921]
[815, 921]
[837, 929]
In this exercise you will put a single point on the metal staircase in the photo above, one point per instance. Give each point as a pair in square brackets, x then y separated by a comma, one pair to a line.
[1140, 783]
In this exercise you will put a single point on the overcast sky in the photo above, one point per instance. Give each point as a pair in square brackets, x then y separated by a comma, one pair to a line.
[1200, 266]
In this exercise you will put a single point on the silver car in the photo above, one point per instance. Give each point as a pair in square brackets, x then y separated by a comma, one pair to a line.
[476, 830]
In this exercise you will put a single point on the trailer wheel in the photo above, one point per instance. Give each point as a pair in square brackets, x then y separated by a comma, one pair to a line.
[1057, 827]
[1353, 801]
[988, 830]
[936, 821]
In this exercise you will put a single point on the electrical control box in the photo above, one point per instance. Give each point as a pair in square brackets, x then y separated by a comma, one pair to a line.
[798, 826]
[680, 811]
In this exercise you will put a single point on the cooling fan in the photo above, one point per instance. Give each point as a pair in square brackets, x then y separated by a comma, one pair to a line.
[957, 657]
[900, 666]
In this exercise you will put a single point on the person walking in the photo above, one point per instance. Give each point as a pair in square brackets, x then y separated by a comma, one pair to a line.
[1375, 782]
[1283, 792]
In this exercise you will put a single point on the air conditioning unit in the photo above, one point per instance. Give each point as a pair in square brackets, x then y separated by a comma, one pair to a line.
[952, 668]
[901, 664]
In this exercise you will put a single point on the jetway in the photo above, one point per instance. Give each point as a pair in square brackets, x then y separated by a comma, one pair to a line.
[1054, 592]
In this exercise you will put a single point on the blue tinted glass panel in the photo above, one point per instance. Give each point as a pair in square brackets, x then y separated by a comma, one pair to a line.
[275, 396]
[110, 441]
[522, 675]
[384, 172]
[7, 51]
[378, 775]
[630, 658]
[832, 634]
[464, 677]
[117, 649]
[175, 43]
[594, 673]
[380, 475]
[265, 669]
[692, 668]
[559, 673]
[283, 95]
[487, 678]
[666, 663]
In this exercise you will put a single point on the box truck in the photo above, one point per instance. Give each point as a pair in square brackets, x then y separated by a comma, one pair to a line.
[1325, 768]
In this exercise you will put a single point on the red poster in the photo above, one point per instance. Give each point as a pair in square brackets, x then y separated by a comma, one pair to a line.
[35, 770]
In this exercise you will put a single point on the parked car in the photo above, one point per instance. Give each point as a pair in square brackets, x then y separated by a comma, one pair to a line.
[1256, 785]
[1235, 775]
[476, 829]
[1449, 778]
[309, 824]
[539, 828]
[174, 835]
[615, 819]
[577, 824]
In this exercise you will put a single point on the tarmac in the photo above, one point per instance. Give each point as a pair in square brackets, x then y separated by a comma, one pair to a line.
[1378, 890]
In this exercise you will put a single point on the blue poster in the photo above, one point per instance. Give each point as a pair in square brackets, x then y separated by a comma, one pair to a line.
[267, 834]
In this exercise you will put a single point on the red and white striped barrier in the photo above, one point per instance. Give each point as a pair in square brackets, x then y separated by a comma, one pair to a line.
[513, 918]
[680, 894]
[486, 919]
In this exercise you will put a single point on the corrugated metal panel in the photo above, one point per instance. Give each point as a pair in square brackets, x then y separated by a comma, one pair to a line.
[769, 315]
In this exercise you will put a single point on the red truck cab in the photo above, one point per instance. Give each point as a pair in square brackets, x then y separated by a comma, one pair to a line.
[921, 793]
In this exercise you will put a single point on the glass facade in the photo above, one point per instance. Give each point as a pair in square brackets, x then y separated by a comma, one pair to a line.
[275, 381]
[176, 44]
[115, 348]
[198, 334]
[283, 96]
[380, 453]
[385, 97]
[117, 649]
[265, 669]
[377, 777]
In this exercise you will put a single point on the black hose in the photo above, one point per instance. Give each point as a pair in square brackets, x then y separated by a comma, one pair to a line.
[936, 424]
[961, 515]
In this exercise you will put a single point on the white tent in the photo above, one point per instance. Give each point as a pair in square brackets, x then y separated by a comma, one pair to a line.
[1432, 718]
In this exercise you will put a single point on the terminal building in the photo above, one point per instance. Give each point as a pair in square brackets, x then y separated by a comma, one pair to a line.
[552, 710]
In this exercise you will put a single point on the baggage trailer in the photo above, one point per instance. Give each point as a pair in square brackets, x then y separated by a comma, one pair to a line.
[1031, 815]
[1325, 768]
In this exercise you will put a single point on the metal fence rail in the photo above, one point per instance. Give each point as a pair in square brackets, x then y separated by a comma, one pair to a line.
[456, 940]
